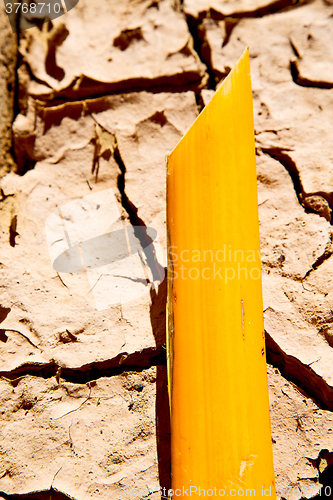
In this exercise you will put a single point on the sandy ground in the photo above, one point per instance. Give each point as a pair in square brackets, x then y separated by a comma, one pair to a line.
[90, 103]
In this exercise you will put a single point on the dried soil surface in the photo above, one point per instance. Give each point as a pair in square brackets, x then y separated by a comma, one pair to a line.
[8, 50]
[90, 103]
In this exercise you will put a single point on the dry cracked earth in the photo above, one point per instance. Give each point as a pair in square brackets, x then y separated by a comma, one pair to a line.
[90, 104]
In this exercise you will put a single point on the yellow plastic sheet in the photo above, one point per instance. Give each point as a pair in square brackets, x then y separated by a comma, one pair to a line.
[220, 424]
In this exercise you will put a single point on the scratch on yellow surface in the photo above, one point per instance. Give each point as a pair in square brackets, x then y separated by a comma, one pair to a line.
[246, 464]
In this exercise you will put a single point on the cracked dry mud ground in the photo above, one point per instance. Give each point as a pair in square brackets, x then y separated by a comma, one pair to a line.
[95, 99]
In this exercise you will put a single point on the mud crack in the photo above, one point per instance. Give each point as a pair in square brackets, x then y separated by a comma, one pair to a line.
[140, 228]
[50, 494]
[202, 48]
[137, 361]
[306, 82]
[324, 256]
[300, 374]
[266, 10]
[320, 202]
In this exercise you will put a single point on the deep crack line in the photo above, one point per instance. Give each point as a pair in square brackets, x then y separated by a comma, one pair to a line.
[4, 330]
[302, 375]
[140, 228]
[137, 362]
[93, 89]
[306, 82]
[319, 203]
[48, 494]
[203, 50]
[280, 155]
[273, 7]
[322, 258]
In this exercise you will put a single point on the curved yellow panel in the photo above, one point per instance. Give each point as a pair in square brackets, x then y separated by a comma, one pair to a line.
[220, 425]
